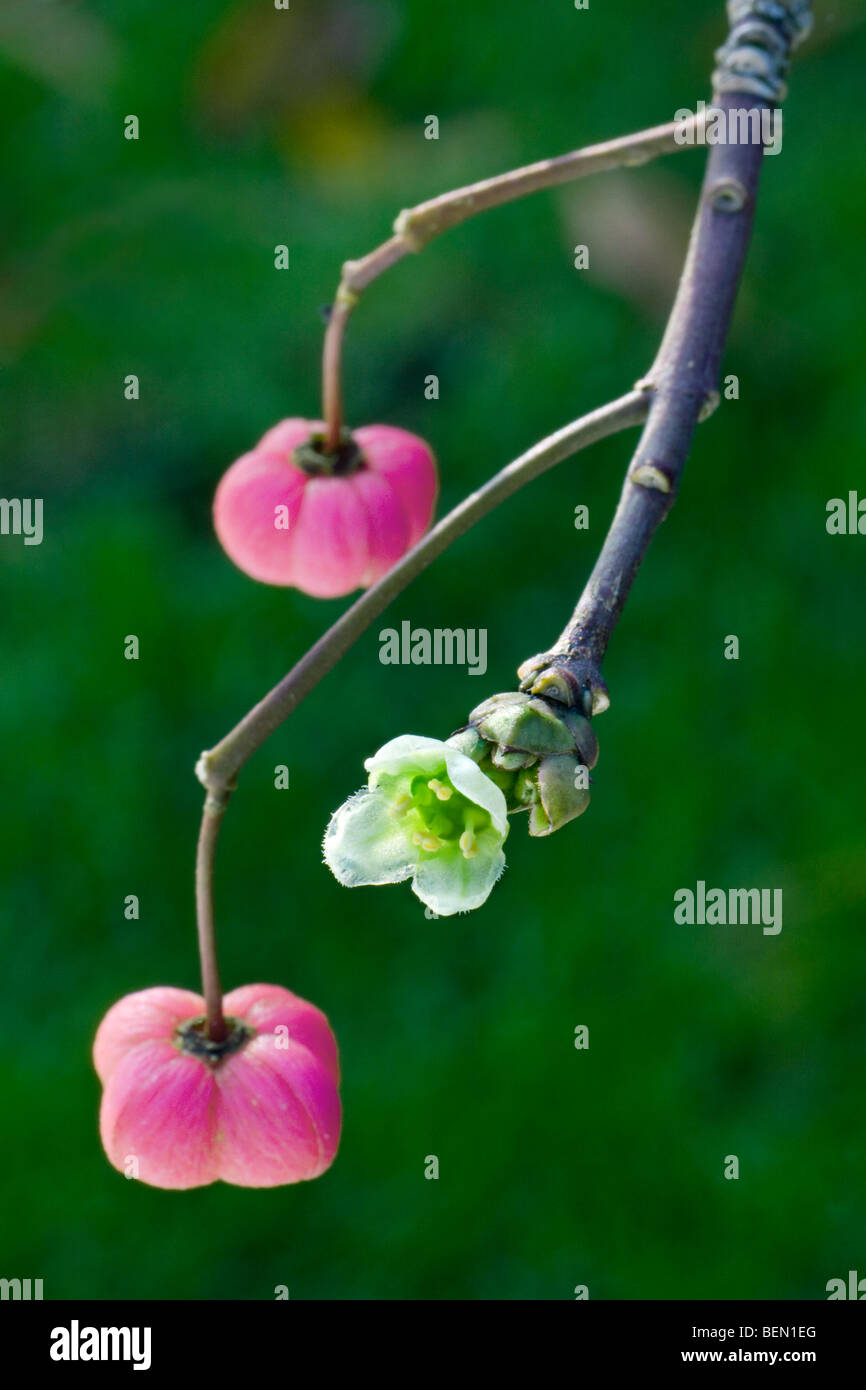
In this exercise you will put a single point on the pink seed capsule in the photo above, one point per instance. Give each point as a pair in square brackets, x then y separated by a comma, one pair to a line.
[178, 1111]
[286, 513]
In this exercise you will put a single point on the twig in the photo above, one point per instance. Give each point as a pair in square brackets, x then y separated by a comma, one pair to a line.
[684, 377]
[415, 227]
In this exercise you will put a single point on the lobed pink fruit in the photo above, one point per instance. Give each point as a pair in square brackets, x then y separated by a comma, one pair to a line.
[324, 533]
[262, 1115]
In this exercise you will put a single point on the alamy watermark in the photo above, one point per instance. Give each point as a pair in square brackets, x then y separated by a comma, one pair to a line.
[711, 125]
[846, 517]
[20, 1289]
[77, 1343]
[719, 907]
[439, 646]
[22, 516]
[852, 1287]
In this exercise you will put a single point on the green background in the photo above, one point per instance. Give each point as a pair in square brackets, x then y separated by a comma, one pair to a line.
[557, 1167]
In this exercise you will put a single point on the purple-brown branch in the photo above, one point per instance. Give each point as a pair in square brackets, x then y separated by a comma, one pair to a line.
[683, 381]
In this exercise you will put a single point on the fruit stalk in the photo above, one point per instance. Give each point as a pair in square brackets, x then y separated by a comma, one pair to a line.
[210, 978]
[417, 226]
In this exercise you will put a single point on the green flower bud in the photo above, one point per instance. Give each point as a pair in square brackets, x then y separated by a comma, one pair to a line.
[494, 702]
[501, 777]
[537, 751]
[583, 733]
[556, 792]
[469, 742]
[510, 762]
[518, 723]
[525, 724]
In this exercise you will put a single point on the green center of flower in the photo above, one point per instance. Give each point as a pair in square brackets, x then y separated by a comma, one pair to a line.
[435, 814]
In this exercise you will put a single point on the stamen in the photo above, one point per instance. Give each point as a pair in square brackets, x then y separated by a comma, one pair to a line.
[468, 844]
[444, 793]
[429, 842]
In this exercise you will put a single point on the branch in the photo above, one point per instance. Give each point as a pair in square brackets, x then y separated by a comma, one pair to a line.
[684, 377]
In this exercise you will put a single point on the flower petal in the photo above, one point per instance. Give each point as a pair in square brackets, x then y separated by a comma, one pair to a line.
[287, 435]
[468, 778]
[448, 883]
[245, 511]
[408, 464]
[365, 843]
[408, 752]
[141, 1017]
[278, 1115]
[330, 550]
[158, 1109]
[387, 526]
[268, 1007]
[413, 751]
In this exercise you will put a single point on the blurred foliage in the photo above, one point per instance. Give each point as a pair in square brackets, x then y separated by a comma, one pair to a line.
[558, 1167]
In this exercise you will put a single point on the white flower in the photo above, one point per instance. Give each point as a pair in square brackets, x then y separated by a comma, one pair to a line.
[427, 813]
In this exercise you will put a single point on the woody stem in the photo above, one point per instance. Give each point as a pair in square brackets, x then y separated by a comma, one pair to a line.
[684, 377]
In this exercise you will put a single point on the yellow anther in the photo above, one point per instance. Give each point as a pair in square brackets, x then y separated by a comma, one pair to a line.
[468, 844]
[444, 793]
[428, 842]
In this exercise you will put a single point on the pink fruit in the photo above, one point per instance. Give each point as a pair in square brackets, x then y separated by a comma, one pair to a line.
[260, 1110]
[325, 524]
